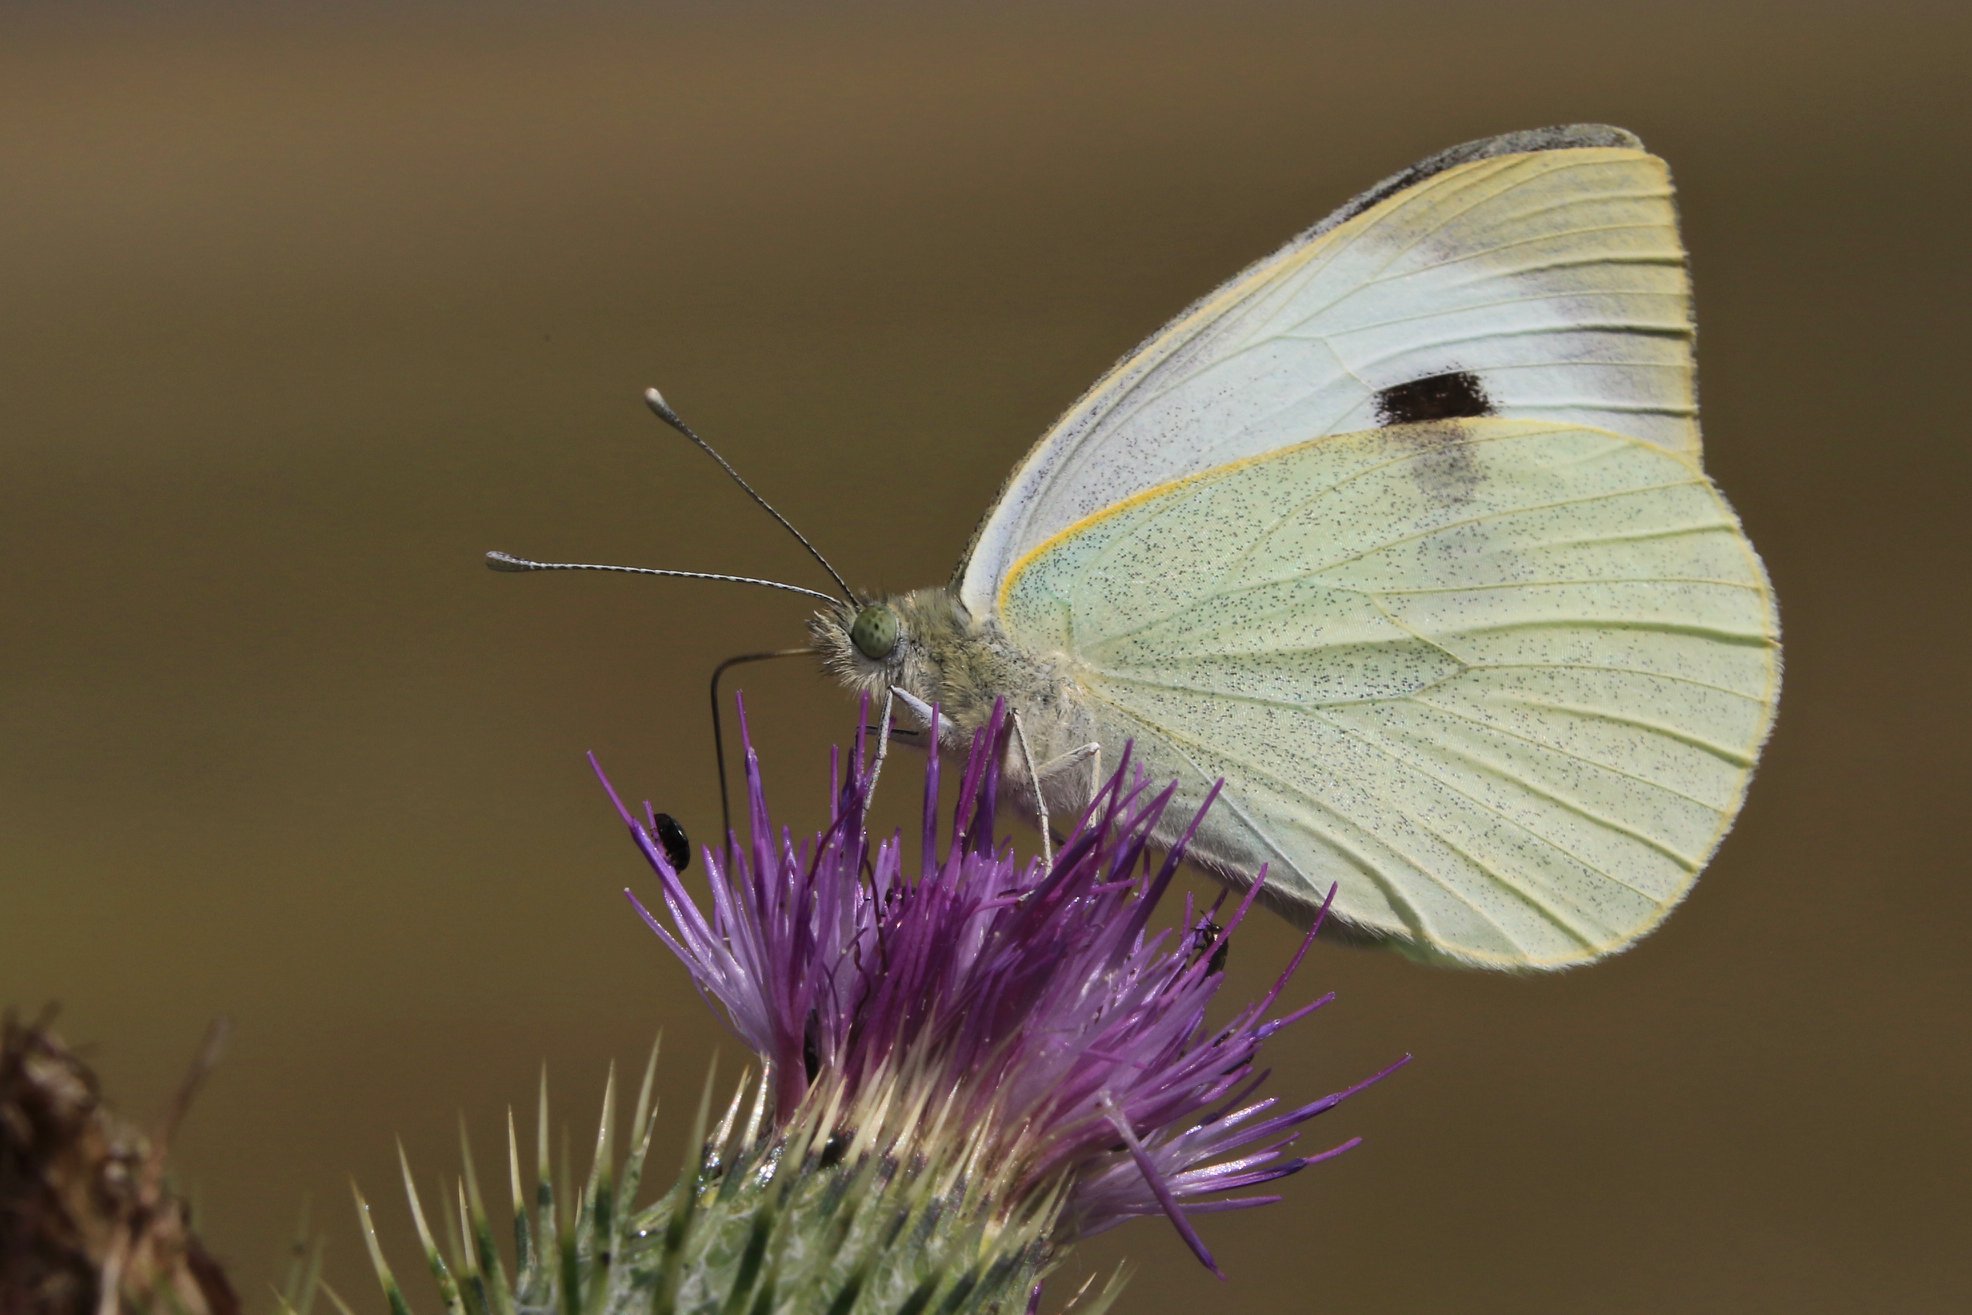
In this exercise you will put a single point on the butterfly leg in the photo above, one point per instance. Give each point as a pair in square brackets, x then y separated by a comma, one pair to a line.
[916, 706]
[1091, 750]
[1040, 803]
[882, 747]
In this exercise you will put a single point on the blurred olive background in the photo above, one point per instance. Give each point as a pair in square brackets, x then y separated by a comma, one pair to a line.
[303, 308]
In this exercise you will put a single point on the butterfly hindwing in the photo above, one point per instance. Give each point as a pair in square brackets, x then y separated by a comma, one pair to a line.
[1504, 680]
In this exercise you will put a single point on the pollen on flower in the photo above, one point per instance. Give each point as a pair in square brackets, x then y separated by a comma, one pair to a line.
[1023, 1029]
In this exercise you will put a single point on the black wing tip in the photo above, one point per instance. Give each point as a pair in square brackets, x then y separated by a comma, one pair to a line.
[1558, 137]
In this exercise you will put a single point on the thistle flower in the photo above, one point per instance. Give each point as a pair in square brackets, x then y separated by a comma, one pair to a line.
[1021, 1032]
[967, 1064]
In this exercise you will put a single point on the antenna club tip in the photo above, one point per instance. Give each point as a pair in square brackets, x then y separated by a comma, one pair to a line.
[500, 561]
[655, 401]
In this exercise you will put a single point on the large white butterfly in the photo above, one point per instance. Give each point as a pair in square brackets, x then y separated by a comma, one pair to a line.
[1402, 533]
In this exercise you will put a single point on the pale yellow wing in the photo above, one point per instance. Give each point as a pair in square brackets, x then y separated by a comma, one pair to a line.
[1538, 276]
[1504, 681]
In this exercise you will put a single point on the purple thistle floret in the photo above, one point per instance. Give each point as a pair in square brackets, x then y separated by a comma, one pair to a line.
[1033, 1011]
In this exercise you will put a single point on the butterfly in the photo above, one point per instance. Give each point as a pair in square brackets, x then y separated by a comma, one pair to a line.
[1401, 534]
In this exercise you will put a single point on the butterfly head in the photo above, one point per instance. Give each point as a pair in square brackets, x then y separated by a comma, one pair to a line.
[869, 644]
[919, 642]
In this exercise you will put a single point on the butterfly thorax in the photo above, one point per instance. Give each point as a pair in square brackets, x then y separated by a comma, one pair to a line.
[945, 657]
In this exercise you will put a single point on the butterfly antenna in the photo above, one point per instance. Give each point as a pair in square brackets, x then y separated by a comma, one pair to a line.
[719, 738]
[501, 561]
[662, 410]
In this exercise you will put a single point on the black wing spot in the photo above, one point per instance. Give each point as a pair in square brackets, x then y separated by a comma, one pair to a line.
[1454, 396]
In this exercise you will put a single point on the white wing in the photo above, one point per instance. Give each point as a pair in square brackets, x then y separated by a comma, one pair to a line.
[1503, 680]
[1535, 275]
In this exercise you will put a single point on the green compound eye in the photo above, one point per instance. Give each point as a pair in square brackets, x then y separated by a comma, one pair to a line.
[875, 632]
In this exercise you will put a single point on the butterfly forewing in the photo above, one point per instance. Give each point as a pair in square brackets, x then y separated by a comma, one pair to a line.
[1493, 280]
